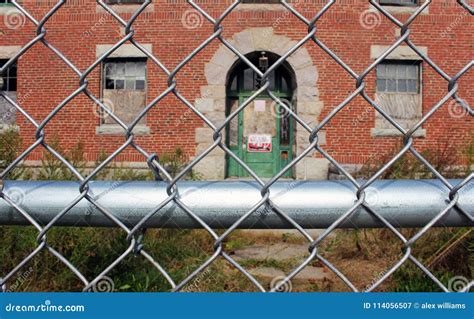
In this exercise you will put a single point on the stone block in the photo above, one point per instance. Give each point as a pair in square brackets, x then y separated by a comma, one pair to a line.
[203, 134]
[211, 168]
[205, 104]
[311, 168]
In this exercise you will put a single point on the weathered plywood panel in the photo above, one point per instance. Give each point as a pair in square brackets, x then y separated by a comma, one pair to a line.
[406, 109]
[126, 104]
[8, 111]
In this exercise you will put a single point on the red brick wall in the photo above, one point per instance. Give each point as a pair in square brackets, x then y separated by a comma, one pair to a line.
[44, 80]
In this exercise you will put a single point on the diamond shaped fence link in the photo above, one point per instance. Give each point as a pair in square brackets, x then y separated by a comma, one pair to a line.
[136, 234]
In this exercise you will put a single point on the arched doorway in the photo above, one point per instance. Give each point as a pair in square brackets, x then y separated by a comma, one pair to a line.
[263, 134]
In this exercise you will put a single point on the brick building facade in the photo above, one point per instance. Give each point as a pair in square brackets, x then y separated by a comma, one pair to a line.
[311, 81]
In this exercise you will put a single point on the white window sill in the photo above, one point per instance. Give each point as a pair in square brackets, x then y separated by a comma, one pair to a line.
[393, 132]
[124, 51]
[400, 53]
[6, 127]
[115, 129]
[4, 9]
[8, 51]
[400, 9]
[260, 7]
[125, 8]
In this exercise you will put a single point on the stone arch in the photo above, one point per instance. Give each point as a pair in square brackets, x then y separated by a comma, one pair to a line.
[213, 98]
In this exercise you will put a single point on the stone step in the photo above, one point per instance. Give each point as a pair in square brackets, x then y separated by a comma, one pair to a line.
[280, 232]
[280, 251]
[308, 273]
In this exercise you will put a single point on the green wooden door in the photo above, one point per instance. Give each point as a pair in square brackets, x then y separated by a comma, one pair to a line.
[261, 135]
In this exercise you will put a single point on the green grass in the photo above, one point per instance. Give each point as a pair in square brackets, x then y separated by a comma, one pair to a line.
[180, 252]
[409, 278]
[91, 250]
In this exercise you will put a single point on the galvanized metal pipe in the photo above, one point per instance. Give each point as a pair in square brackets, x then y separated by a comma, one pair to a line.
[404, 203]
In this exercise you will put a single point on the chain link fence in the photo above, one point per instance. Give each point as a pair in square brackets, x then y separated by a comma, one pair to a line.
[135, 235]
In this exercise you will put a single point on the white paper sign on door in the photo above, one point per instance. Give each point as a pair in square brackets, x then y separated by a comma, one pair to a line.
[259, 143]
[259, 105]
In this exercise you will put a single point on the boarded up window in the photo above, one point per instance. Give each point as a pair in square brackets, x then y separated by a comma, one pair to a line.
[8, 85]
[399, 2]
[398, 93]
[124, 1]
[125, 88]
[260, 1]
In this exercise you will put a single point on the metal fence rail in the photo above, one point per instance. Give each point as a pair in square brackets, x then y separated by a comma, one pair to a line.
[312, 205]
[450, 205]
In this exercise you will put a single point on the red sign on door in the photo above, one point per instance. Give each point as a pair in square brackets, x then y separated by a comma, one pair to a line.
[259, 143]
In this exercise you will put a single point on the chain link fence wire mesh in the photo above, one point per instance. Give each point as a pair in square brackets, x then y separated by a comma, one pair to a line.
[135, 235]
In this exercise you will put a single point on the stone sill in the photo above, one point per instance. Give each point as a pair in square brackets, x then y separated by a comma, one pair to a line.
[260, 7]
[389, 132]
[125, 8]
[400, 53]
[8, 51]
[115, 129]
[6, 127]
[9, 8]
[400, 9]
